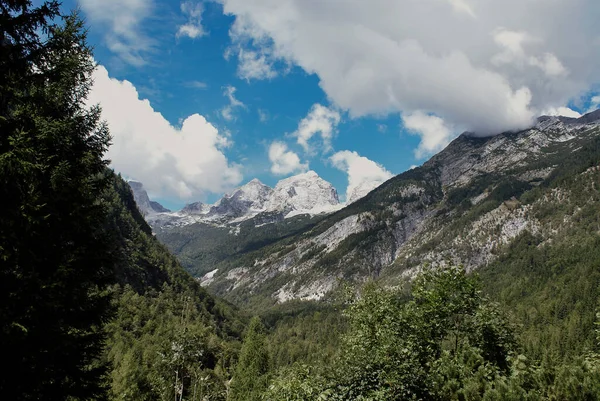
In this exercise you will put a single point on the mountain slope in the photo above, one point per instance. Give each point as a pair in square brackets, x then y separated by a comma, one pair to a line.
[247, 219]
[462, 207]
[167, 330]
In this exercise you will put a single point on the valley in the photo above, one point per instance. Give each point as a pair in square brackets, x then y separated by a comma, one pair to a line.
[465, 206]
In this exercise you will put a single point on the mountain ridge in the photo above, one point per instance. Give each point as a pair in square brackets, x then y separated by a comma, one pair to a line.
[462, 206]
[393, 231]
[302, 194]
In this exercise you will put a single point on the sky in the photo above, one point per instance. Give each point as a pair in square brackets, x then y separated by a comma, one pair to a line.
[203, 96]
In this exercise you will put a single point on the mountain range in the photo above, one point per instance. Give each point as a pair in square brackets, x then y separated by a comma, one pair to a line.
[467, 205]
[303, 194]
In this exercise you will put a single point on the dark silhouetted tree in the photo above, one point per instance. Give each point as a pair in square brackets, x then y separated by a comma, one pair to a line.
[55, 254]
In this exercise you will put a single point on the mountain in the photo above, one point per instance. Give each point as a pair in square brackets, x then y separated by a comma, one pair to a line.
[360, 191]
[145, 205]
[245, 202]
[466, 205]
[159, 310]
[196, 208]
[303, 194]
[242, 221]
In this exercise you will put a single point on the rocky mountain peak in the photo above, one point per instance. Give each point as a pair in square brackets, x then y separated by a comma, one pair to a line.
[305, 191]
[196, 208]
[144, 204]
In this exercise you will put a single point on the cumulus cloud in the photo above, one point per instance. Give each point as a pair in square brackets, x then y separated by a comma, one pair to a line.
[123, 22]
[513, 52]
[562, 111]
[320, 121]
[253, 49]
[193, 27]
[364, 175]
[187, 162]
[234, 103]
[284, 161]
[482, 66]
[434, 132]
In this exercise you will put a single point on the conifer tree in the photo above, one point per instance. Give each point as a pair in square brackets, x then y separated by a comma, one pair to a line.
[55, 259]
[249, 379]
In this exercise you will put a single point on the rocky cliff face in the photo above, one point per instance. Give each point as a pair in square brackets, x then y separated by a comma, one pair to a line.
[464, 206]
[144, 204]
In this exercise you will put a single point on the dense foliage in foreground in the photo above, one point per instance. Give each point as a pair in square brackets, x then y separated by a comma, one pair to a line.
[91, 305]
[448, 342]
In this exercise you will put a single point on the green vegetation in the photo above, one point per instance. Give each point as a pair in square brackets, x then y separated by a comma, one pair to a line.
[55, 256]
[168, 335]
[250, 377]
[200, 247]
[448, 342]
[92, 306]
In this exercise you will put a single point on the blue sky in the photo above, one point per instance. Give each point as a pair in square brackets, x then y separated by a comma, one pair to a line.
[355, 91]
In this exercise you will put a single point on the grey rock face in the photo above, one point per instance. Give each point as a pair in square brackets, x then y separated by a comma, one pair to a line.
[145, 205]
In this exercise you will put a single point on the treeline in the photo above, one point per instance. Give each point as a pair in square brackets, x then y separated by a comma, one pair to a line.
[448, 342]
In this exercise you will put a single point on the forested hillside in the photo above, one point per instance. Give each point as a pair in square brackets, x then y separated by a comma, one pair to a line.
[92, 306]
[168, 334]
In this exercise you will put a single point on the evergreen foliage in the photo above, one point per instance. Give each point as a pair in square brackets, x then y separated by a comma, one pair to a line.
[55, 255]
[250, 378]
[447, 343]
[169, 338]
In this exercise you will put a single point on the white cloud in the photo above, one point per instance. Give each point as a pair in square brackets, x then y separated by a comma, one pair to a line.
[320, 120]
[382, 56]
[364, 175]
[196, 84]
[253, 50]
[187, 162]
[434, 132]
[263, 115]
[463, 7]
[284, 161]
[254, 65]
[550, 64]
[562, 111]
[594, 103]
[234, 103]
[513, 53]
[193, 28]
[123, 21]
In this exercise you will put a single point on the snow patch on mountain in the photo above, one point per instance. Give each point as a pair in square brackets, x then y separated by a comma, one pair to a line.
[303, 192]
[298, 195]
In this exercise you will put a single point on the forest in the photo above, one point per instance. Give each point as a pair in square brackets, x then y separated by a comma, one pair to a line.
[93, 307]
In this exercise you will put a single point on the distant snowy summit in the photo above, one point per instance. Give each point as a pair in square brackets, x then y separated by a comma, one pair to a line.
[303, 194]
